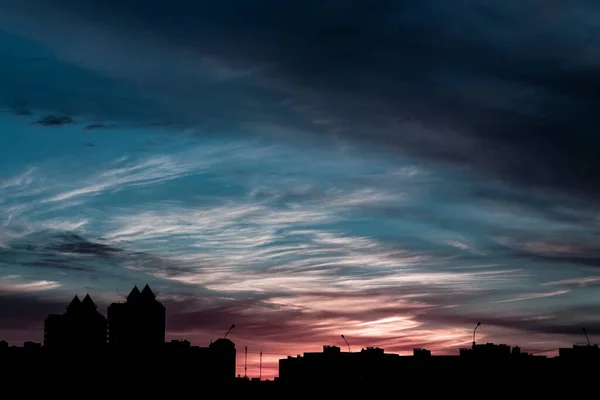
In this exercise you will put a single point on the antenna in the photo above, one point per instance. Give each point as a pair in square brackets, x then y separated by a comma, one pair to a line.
[245, 361]
[586, 336]
[260, 368]
[347, 344]
[230, 328]
[475, 330]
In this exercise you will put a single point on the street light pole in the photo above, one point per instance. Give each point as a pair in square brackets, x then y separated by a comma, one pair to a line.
[230, 328]
[347, 344]
[475, 330]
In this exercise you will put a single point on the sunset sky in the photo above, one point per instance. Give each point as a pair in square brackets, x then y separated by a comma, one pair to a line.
[390, 171]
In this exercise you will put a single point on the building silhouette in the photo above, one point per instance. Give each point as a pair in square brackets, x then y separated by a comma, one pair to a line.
[130, 351]
[80, 327]
[373, 365]
[138, 323]
[334, 366]
[580, 354]
[223, 357]
[215, 363]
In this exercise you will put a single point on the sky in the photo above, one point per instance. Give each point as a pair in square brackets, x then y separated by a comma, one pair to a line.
[391, 171]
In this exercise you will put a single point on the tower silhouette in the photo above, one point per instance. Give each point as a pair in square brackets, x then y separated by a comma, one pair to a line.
[223, 358]
[137, 323]
[80, 327]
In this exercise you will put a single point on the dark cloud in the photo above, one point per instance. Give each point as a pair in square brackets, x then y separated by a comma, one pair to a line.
[60, 251]
[99, 125]
[563, 209]
[62, 242]
[589, 260]
[55, 263]
[567, 321]
[73, 243]
[165, 123]
[91, 127]
[583, 252]
[516, 84]
[55, 254]
[509, 90]
[54, 120]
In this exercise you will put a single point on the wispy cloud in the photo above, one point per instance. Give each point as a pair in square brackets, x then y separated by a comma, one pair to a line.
[52, 188]
[295, 247]
[152, 171]
[583, 281]
[15, 283]
[265, 246]
[533, 296]
[20, 181]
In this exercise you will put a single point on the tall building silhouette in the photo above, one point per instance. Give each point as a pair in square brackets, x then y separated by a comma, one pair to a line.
[81, 326]
[137, 323]
[223, 358]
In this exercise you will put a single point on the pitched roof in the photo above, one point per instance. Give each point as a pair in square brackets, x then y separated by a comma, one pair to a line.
[134, 294]
[147, 293]
[88, 303]
[75, 304]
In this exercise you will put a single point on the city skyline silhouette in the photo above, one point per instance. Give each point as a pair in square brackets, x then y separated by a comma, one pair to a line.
[135, 329]
[362, 174]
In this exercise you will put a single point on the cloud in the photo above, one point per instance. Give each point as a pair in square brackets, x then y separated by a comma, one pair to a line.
[61, 242]
[136, 171]
[149, 172]
[582, 252]
[286, 249]
[75, 244]
[532, 296]
[97, 126]
[20, 181]
[299, 244]
[14, 283]
[393, 320]
[281, 328]
[54, 120]
[263, 246]
[581, 282]
[48, 256]
[507, 91]
[560, 322]
[289, 329]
